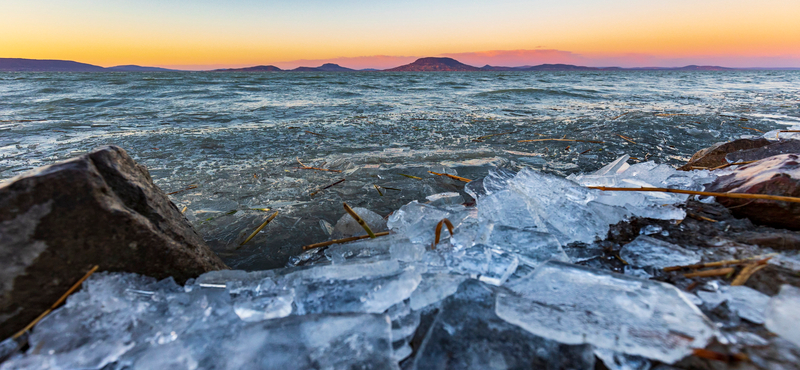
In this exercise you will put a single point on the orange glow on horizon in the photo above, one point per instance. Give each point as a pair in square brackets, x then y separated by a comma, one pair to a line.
[210, 35]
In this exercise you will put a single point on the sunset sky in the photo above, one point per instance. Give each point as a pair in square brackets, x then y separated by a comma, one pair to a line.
[202, 34]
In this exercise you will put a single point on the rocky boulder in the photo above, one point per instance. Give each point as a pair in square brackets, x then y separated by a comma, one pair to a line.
[775, 148]
[102, 209]
[776, 175]
[714, 156]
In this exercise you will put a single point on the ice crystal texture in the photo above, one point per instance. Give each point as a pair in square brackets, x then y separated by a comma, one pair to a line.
[574, 304]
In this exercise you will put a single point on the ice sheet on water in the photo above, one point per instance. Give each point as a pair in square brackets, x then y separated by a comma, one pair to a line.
[746, 302]
[610, 311]
[467, 334]
[783, 315]
[647, 251]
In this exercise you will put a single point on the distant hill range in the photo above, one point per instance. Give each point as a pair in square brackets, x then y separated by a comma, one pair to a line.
[327, 67]
[42, 65]
[420, 65]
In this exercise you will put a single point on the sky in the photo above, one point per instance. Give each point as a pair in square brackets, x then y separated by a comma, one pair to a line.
[204, 34]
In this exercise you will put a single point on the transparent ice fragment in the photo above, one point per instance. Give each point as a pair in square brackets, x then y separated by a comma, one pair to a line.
[647, 251]
[434, 288]
[532, 247]
[417, 221]
[506, 207]
[344, 341]
[444, 199]
[783, 314]
[367, 294]
[347, 226]
[264, 307]
[468, 335]
[746, 302]
[484, 263]
[610, 311]
[618, 165]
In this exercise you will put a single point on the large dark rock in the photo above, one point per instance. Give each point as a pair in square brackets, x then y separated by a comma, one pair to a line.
[714, 156]
[101, 208]
[775, 148]
[777, 175]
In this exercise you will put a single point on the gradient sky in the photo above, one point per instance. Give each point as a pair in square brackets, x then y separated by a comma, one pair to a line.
[198, 34]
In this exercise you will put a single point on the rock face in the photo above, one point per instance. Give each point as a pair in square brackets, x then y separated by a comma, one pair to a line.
[776, 148]
[714, 156]
[777, 175]
[102, 209]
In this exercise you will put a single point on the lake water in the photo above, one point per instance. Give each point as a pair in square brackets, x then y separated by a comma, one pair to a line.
[238, 137]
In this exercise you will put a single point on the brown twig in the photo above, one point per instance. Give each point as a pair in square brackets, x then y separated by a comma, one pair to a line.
[359, 220]
[182, 190]
[706, 273]
[184, 209]
[573, 140]
[313, 133]
[454, 177]
[304, 167]
[750, 128]
[613, 119]
[671, 114]
[705, 193]
[326, 187]
[410, 176]
[626, 139]
[340, 241]
[712, 264]
[749, 270]
[702, 218]
[253, 235]
[439, 231]
[716, 356]
[378, 189]
[58, 303]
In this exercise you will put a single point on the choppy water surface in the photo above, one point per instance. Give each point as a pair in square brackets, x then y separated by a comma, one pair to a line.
[238, 137]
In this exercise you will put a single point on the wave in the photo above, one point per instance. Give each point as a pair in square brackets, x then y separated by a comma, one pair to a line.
[536, 92]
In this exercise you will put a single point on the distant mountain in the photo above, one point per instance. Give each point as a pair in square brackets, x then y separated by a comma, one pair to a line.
[327, 67]
[38, 65]
[251, 69]
[435, 65]
[134, 68]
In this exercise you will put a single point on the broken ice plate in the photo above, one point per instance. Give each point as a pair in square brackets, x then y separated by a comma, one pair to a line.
[574, 304]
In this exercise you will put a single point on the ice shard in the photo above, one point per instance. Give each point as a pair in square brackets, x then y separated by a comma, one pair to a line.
[783, 314]
[648, 251]
[574, 304]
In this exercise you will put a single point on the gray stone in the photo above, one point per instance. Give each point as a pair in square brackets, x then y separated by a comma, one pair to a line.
[714, 156]
[776, 175]
[781, 147]
[102, 209]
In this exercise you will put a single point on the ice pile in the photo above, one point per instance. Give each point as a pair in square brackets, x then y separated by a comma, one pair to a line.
[468, 302]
